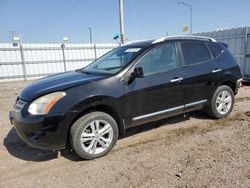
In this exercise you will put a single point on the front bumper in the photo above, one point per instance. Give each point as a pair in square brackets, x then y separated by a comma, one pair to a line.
[43, 132]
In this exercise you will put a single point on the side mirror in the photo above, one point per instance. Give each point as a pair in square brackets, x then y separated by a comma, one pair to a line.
[138, 72]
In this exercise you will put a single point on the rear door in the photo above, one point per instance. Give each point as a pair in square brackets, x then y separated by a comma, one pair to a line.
[198, 70]
[160, 93]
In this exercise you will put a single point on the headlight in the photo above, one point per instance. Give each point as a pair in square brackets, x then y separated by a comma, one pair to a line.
[42, 105]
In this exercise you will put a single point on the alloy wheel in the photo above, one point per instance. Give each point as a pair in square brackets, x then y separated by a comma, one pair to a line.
[96, 137]
[223, 102]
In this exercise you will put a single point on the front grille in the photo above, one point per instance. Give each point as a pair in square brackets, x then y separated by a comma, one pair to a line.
[19, 105]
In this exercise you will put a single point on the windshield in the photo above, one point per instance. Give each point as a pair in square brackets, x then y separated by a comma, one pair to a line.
[113, 61]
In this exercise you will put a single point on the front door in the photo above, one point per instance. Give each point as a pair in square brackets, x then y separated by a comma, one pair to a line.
[160, 93]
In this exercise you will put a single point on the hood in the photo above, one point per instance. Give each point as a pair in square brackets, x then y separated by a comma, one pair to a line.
[57, 82]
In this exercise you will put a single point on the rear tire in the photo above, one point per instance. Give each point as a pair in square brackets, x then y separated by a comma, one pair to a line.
[221, 103]
[93, 135]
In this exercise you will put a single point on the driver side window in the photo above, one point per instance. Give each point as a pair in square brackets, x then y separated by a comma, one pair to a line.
[158, 60]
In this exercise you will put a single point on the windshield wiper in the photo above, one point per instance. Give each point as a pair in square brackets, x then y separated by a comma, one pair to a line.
[83, 71]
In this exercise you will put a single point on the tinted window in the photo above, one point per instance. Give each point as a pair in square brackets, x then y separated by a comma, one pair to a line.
[216, 49]
[195, 52]
[157, 60]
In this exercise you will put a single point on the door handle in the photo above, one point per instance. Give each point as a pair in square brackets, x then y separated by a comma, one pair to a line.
[216, 70]
[176, 80]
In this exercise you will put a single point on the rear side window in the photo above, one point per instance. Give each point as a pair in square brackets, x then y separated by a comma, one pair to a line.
[195, 52]
[216, 49]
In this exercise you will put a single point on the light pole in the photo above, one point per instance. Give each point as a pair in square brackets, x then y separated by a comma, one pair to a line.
[90, 35]
[121, 21]
[191, 13]
[65, 40]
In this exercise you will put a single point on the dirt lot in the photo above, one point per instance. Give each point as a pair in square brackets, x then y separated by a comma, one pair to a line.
[192, 151]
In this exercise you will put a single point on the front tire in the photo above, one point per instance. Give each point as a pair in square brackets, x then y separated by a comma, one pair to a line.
[93, 135]
[221, 103]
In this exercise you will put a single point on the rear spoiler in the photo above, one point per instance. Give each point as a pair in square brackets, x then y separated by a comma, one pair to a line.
[224, 44]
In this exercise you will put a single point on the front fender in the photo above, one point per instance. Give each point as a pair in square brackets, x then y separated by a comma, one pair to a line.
[92, 103]
[95, 101]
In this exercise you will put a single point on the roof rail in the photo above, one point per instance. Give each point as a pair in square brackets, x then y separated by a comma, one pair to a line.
[184, 37]
[133, 41]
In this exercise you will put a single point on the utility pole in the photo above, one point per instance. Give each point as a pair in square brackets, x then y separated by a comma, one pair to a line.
[191, 14]
[191, 18]
[90, 35]
[122, 35]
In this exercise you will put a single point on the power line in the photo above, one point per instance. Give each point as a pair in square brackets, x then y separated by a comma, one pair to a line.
[43, 20]
[57, 15]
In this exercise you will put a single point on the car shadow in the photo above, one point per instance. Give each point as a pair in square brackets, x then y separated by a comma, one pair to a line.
[17, 148]
[165, 122]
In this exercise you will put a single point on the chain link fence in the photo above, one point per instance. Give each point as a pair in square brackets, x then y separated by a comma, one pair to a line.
[31, 61]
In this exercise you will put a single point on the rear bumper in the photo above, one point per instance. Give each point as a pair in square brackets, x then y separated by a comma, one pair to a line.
[43, 132]
[238, 85]
[246, 78]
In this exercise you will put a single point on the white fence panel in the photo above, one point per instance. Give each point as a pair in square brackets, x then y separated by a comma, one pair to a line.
[29, 61]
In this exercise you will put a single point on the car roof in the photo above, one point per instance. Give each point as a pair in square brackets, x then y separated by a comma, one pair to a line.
[139, 43]
[147, 43]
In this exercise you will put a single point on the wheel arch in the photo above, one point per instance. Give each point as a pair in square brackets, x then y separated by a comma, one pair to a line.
[230, 80]
[101, 108]
[230, 84]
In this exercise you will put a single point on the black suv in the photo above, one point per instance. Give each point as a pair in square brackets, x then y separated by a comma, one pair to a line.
[136, 83]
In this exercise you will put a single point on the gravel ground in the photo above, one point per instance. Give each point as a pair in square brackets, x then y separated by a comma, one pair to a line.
[191, 151]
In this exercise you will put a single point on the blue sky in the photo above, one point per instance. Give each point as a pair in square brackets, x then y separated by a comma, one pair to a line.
[51, 20]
